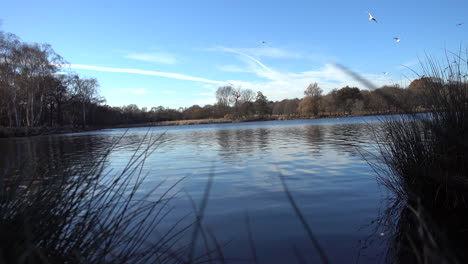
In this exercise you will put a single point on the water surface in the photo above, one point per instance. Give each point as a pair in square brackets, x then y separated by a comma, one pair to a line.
[321, 161]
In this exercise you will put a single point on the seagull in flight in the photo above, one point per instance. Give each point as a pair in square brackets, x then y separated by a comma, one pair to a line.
[371, 17]
[397, 39]
[459, 24]
[385, 73]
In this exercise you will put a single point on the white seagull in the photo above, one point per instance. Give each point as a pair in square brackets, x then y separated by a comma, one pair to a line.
[385, 73]
[397, 39]
[371, 17]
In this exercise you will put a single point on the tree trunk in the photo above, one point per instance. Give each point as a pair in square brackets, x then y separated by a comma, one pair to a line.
[84, 114]
[59, 113]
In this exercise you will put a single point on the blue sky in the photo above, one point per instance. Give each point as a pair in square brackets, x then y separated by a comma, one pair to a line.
[176, 53]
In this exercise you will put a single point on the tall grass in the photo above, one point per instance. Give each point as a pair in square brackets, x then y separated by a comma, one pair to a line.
[428, 153]
[85, 214]
[424, 162]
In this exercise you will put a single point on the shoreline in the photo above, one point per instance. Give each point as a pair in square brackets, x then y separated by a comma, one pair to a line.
[20, 132]
[14, 132]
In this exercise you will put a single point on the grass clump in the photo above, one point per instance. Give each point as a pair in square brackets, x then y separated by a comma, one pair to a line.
[428, 153]
[424, 162]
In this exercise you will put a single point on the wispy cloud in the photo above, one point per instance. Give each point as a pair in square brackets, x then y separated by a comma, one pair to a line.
[256, 65]
[138, 91]
[272, 53]
[158, 57]
[265, 51]
[168, 92]
[278, 85]
[232, 68]
[143, 72]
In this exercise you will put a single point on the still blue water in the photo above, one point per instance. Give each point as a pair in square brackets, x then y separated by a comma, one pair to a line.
[322, 162]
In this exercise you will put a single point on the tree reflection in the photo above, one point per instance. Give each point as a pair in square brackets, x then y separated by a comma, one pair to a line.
[235, 142]
[263, 138]
[53, 154]
[315, 135]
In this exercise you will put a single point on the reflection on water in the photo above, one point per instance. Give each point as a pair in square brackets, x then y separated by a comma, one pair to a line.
[333, 185]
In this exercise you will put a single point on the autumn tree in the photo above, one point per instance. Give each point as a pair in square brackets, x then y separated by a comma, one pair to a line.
[423, 88]
[310, 104]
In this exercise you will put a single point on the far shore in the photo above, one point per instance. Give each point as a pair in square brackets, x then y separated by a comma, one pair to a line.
[6, 132]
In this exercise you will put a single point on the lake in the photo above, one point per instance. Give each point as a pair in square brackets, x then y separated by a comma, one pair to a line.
[322, 162]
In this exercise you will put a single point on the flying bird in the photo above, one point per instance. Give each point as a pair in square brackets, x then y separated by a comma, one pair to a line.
[371, 17]
[385, 73]
[397, 39]
[459, 24]
[264, 42]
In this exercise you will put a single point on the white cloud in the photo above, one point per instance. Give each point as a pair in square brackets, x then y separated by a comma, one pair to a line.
[143, 72]
[255, 66]
[280, 85]
[135, 91]
[205, 94]
[159, 57]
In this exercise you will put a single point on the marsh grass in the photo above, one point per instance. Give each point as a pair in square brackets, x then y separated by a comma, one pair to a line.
[424, 162]
[427, 154]
[87, 214]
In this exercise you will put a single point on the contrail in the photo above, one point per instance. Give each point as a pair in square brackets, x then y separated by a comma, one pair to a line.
[142, 72]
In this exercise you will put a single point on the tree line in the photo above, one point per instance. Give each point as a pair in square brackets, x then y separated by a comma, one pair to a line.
[35, 92]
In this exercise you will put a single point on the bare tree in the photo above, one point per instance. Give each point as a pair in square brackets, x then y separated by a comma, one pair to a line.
[235, 95]
[86, 91]
[35, 64]
[8, 72]
[223, 96]
[247, 95]
[313, 90]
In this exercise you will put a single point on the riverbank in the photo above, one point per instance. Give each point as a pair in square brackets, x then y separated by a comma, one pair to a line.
[245, 119]
[6, 132]
[198, 122]
[9, 132]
